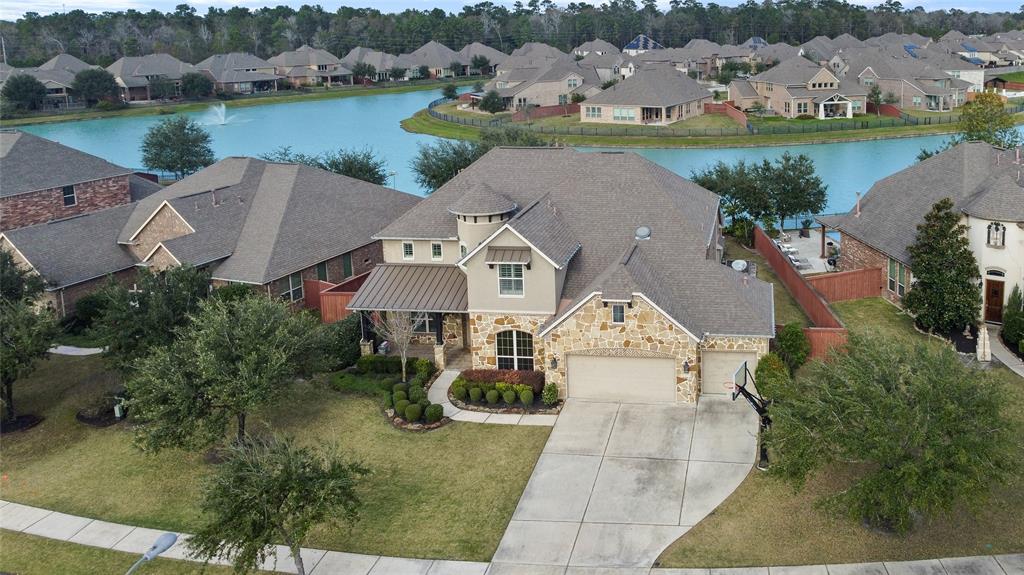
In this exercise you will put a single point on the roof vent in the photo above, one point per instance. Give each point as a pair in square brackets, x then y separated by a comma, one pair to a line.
[643, 233]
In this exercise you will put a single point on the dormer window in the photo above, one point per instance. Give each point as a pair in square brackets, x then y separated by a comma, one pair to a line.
[996, 237]
[68, 194]
[407, 251]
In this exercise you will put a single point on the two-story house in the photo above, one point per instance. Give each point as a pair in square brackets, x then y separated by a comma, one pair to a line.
[137, 75]
[798, 87]
[494, 57]
[604, 270]
[58, 77]
[986, 186]
[545, 82]
[308, 66]
[239, 73]
[912, 82]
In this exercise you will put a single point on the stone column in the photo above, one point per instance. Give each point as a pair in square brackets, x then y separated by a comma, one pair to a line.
[439, 356]
[365, 347]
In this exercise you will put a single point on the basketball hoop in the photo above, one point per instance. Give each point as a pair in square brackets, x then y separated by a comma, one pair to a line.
[729, 386]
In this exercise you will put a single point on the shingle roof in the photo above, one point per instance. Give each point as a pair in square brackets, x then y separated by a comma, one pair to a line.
[29, 163]
[304, 56]
[538, 49]
[658, 86]
[232, 67]
[494, 56]
[980, 179]
[797, 70]
[744, 88]
[380, 61]
[65, 62]
[413, 287]
[574, 192]
[481, 200]
[596, 45]
[435, 55]
[131, 71]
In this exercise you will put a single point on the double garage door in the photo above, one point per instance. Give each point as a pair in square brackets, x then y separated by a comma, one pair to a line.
[625, 379]
[718, 367]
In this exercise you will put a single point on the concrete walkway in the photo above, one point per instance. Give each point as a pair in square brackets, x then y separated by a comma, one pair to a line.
[617, 483]
[1004, 355]
[438, 393]
[72, 350]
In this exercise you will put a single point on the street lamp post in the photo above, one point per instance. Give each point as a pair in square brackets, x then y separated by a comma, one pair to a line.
[163, 543]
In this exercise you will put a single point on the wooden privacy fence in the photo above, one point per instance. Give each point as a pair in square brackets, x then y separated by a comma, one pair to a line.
[727, 108]
[330, 299]
[827, 331]
[854, 284]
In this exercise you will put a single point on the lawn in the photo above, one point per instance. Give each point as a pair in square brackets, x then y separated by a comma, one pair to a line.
[703, 125]
[446, 493]
[786, 308]
[779, 124]
[31, 555]
[765, 523]
[452, 109]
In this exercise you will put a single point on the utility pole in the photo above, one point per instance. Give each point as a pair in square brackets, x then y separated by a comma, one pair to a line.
[3, 46]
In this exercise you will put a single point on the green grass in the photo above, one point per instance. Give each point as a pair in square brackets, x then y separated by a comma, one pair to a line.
[31, 555]
[786, 308]
[764, 522]
[445, 493]
[84, 339]
[1013, 77]
[782, 123]
[452, 109]
[284, 96]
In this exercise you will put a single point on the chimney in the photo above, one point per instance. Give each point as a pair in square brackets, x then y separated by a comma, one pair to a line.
[856, 210]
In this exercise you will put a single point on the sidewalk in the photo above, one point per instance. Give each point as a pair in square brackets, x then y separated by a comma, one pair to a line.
[96, 533]
[72, 350]
[1004, 355]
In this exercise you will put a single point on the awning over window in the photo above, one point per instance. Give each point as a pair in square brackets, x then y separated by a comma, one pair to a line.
[412, 287]
[499, 255]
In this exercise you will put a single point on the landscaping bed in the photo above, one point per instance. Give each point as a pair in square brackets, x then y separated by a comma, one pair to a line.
[504, 391]
[404, 404]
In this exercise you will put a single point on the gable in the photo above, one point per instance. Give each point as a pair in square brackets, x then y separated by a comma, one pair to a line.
[161, 258]
[19, 258]
[824, 76]
[163, 224]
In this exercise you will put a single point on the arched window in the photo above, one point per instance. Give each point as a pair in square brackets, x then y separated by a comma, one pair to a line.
[515, 350]
[996, 235]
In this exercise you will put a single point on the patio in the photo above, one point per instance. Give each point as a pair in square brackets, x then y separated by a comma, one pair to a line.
[808, 251]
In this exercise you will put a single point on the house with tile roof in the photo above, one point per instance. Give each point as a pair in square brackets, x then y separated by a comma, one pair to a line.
[239, 73]
[657, 95]
[308, 66]
[269, 225]
[535, 269]
[986, 185]
[799, 87]
[136, 75]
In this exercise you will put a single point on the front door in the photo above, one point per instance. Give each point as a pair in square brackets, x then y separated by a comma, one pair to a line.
[993, 300]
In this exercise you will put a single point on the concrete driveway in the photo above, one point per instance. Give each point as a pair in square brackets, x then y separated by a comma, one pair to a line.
[617, 483]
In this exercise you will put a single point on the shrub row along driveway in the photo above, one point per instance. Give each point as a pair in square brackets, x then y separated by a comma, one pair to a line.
[617, 483]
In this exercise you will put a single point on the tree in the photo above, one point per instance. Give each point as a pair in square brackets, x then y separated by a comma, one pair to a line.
[398, 328]
[891, 98]
[577, 97]
[478, 87]
[196, 85]
[491, 102]
[271, 490]
[23, 92]
[896, 413]
[480, 63]
[945, 296]
[875, 98]
[609, 83]
[986, 119]
[362, 70]
[424, 71]
[27, 335]
[793, 186]
[450, 92]
[359, 164]
[456, 68]
[135, 321]
[397, 73]
[793, 346]
[162, 89]
[178, 145]
[94, 85]
[439, 162]
[18, 283]
[1013, 319]
[515, 135]
[232, 357]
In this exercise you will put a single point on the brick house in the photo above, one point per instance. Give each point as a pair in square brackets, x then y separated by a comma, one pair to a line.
[265, 224]
[798, 87]
[659, 95]
[136, 75]
[604, 270]
[985, 185]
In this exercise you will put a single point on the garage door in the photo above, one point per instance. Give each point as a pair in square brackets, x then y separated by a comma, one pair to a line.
[627, 379]
[718, 367]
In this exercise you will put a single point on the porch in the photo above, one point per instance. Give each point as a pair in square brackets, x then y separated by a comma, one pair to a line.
[835, 106]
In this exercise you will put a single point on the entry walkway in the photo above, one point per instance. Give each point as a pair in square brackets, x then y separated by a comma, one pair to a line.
[1004, 355]
[438, 393]
[72, 350]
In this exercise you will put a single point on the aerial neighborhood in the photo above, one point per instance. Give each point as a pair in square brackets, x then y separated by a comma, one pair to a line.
[519, 290]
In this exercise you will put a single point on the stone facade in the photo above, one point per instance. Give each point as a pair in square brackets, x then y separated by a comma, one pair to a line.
[161, 260]
[644, 333]
[451, 333]
[483, 331]
[164, 225]
[45, 205]
[856, 255]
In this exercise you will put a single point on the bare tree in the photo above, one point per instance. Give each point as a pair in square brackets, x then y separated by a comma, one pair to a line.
[398, 328]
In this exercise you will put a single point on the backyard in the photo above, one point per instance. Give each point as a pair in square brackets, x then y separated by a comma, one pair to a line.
[764, 522]
[446, 493]
[786, 308]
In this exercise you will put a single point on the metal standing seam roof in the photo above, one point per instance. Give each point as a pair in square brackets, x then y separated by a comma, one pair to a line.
[413, 287]
[502, 255]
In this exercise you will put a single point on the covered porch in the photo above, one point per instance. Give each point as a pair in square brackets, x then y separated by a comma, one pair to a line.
[835, 106]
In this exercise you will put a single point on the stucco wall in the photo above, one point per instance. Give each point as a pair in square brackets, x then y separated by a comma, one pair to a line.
[46, 205]
[540, 283]
[392, 250]
[1008, 259]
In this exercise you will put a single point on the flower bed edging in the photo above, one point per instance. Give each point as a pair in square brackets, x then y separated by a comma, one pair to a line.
[414, 427]
[518, 409]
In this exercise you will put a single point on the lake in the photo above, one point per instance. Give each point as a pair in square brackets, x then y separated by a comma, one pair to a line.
[373, 121]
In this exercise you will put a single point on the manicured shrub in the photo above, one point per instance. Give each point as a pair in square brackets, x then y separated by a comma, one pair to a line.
[519, 388]
[771, 378]
[460, 393]
[424, 403]
[389, 401]
[420, 379]
[413, 412]
[388, 384]
[509, 397]
[425, 367]
[417, 393]
[403, 387]
[380, 364]
[344, 336]
[550, 394]
[502, 387]
[475, 393]
[1013, 319]
[400, 406]
[399, 395]
[434, 413]
[532, 378]
[526, 397]
[88, 309]
[793, 346]
[492, 397]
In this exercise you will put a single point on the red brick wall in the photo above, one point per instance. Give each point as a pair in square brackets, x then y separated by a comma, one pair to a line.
[729, 109]
[64, 300]
[45, 205]
[363, 260]
[856, 255]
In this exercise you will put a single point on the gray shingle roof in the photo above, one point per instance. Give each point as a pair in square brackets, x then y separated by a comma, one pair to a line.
[598, 200]
[304, 56]
[657, 86]
[131, 71]
[140, 188]
[380, 61]
[980, 179]
[232, 67]
[29, 163]
[494, 56]
[797, 70]
[596, 45]
[744, 89]
[435, 55]
[482, 200]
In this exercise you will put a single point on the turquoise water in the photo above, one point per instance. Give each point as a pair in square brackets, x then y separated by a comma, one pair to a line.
[373, 121]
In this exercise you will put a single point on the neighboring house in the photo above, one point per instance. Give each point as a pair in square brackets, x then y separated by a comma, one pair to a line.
[799, 87]
[641, 44]
[439, 58]
[985, 185]
[57, 74]
[382, 63]
[269, 225]
[604, 270]
[659, 95]
[546, 83]
[494, 57]
[538, 50]
[135, 75]
[913, 82]
[239, 73]
[595, 46]
[42, 181]
[607, 66]
[308, 66]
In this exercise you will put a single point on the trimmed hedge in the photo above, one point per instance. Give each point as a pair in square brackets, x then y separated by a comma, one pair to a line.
[509, 397]
[434, 413]
[413, 412]
[492, 396]
[399, 395]
[793, 346]
[392, 364]
[771, 376]
[460, 392]
[475, 393]
[400, 407]
[526, 397]
[550, 394]
[513, 377]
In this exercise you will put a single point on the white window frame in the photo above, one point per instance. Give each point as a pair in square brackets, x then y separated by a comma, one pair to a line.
[409, 254]
[512, 280]
[619, 310]
[895, 284]
[64, 196]
[438, 254]
[293, 291]
[995, 235]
